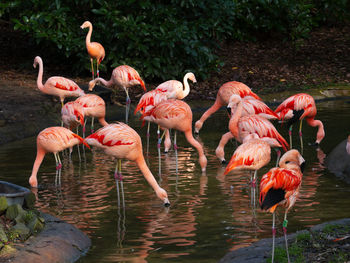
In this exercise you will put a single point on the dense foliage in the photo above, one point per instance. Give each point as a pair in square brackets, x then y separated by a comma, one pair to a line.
[164, 39]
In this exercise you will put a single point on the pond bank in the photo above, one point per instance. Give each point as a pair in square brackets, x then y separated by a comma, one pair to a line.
[260, 251]
[57, 242]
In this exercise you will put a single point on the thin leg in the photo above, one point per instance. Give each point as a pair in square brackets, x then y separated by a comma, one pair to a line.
[301, 137]
[278, 151]
[273, 236]
[290, 136]
[285, 224]
[175, 148]
[158, 147]
[253, 183]
[128, 101]
[78, 147]
[97, 71]
[147, 135]
[84, 129]
[92, 125]
[116, 177]
[121, 181]
[92, 68]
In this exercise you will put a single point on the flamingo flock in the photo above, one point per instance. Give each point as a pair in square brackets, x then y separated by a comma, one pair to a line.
[250, 123]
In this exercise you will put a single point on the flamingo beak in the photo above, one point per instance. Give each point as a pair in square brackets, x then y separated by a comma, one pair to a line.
[166, 202]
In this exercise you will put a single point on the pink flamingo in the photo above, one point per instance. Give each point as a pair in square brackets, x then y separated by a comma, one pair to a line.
[298, 107]
[123, 77]
[94, 49]
[222, 99]
[72, 115]
[122, 142]
[251, 155]
[243, 128]
[176, 114]
[93, 106]
[280, 187]
[56, 86]
[55, 140]
[171, 89]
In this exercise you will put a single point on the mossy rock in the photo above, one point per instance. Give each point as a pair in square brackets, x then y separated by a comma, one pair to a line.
[22, 230]
[3, 236]
[35, 225]
[13, 211]
[29, 200]
[7, 250]
[3, 204]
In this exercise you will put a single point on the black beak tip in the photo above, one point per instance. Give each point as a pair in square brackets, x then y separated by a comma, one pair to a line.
[302, 167]
[167, 204]
[228, 110]
[223, 162]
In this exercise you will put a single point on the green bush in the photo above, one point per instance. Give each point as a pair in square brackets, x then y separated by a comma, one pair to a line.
[161, 39]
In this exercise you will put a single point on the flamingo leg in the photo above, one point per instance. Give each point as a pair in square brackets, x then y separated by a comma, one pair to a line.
[121, 181]
[278, 151]
[290, 136]
[92, 68]
[175, 148]
[84, 128]
[97, 71]
[301, 136]
[128, 101]
[116, 177]
[92, 124]
[273, 236]
[148, 135]
[158, 146]
[285, 223]
[78, 146]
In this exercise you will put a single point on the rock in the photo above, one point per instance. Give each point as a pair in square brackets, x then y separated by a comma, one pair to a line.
[6, 251]
[3, 236]
[35, 225]
[29, 200]
[3, 204]
[13, 211]
[22, 230]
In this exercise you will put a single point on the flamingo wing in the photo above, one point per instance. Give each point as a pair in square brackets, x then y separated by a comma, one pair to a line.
[276, 186]
[171, 87]
[149, 100]
[254, 106]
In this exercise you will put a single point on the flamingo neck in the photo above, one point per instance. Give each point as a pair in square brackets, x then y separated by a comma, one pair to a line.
[39, 80]
[102, 121]
[320, 132]
[104, 82]
[88, 36]
[141, 163]
[186, 89]
[233, 124]
[198, 146]
[38, 160]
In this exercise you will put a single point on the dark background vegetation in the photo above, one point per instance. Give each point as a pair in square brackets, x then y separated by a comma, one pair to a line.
[164, 39]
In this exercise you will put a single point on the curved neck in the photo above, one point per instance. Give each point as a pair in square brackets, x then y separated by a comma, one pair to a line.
[186, 89]
[320, 132]
[141, 163]
[104, 82]
[233, 124]
[39, 80]
[88, 36]
[40, 154]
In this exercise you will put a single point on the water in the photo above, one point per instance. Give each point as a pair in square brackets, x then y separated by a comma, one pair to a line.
[210, 214]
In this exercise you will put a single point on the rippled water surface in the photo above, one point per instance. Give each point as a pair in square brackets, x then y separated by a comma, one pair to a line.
[210, 214]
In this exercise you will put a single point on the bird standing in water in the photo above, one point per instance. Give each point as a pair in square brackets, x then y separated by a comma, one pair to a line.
[123, 77]
[280, 187]
[298, 107]
[123, 142]
[56, 86]
[177, 115]
[94, 49]
[55, 140]
[222, 99]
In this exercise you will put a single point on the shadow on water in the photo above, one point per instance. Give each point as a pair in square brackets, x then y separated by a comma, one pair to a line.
[210, 214]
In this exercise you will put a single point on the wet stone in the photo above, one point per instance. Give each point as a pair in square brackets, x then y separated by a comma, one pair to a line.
[29, 200]
[3, 204]
[3, 236]
[22, 230]
[13, 211]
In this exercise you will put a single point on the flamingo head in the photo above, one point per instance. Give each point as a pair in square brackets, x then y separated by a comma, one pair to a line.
[86, 24]
[79, 117]
[37, 60]
[191, 77]
[233, 102]
[162, 195]
[33, 181]
[291, 159]
[92, 84]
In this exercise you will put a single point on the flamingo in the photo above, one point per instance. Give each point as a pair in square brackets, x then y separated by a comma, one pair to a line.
[56, 86]
[93, 106]
[280, 187]
[222, 99]
[123, 142]
[251, 155]
[300, 106]
[94, 49]
[176, 114]
[171, 89]
[55, 140]
[72, 115]
[124, 77]
[245, 127]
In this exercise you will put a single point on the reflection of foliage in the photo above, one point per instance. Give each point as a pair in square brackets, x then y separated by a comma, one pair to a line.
[163, 40]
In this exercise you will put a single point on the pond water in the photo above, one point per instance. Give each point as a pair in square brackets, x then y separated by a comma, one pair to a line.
[210, 214]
